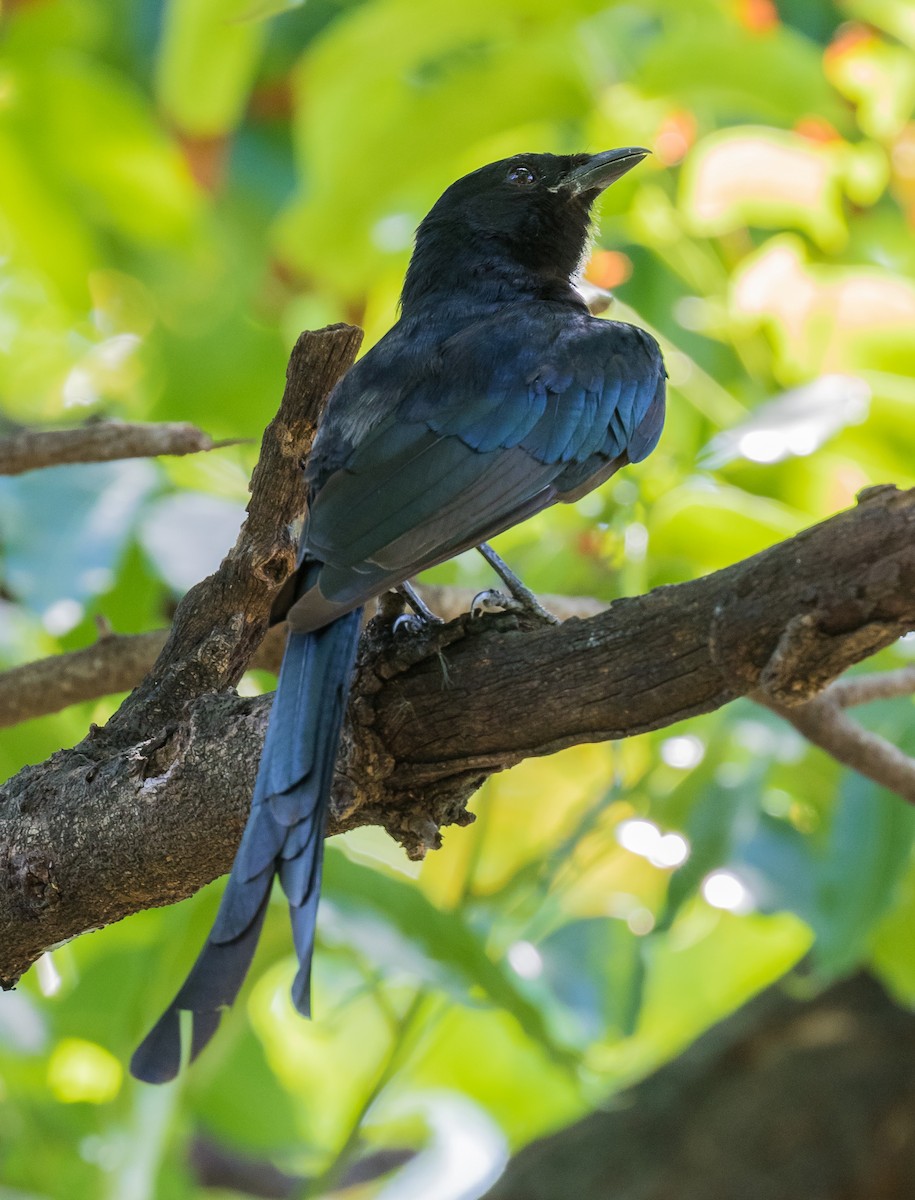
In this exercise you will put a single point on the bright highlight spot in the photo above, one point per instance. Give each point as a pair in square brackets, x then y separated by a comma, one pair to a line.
[722, 889]
[770, 445]
[62, 616]
[79, 388]
[638, 837]
[48, 975]
[525, 960]
[795, 423]
[115, 351]
[635, 541]
[394, 232]
[672, 851]
[640, 921]
[465, 1155]
[83, 1073]
[683, 752]
[645, 839]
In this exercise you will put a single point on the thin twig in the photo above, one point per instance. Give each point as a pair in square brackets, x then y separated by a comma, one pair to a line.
[101, 441]
[824, 722]
[115, 663]
[862, 689]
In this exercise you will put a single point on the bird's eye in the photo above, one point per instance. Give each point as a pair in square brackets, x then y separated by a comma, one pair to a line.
[521, 176]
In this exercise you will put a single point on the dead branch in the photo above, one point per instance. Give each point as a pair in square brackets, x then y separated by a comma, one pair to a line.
[100, 441]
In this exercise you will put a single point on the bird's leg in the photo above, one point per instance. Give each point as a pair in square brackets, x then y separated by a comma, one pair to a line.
[523, 597]
[424, 613]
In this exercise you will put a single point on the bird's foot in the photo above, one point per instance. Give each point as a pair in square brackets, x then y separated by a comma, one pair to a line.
[492, 600]
[422, 615]
[522, 599]
[408, 623]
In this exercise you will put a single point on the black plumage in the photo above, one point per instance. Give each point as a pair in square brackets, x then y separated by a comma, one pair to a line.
[495, 395]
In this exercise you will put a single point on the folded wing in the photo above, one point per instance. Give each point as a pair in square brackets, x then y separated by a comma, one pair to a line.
[457, 462]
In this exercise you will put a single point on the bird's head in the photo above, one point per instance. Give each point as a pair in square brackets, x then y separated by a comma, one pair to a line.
[533, 208]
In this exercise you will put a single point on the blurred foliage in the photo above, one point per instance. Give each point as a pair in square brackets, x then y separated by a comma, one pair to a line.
[185, 185]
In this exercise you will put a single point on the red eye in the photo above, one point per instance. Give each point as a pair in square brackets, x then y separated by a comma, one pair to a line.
[521, 176]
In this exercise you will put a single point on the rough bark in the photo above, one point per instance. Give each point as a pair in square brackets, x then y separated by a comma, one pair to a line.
[150, 808]
[786, 1100]
[99, 441]
[118, 662]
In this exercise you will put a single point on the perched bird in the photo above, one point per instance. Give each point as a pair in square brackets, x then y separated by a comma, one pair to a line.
[495, 394]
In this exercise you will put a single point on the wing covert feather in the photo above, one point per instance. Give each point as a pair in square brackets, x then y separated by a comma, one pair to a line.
[502, 419]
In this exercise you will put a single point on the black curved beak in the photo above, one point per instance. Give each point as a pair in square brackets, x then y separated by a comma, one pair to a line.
[603, 169]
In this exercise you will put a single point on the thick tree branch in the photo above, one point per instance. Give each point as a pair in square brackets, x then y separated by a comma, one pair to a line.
[118, 662]
[106, 829]
[216, 630]
[148, 809]
[100, 441]
[785, 1100]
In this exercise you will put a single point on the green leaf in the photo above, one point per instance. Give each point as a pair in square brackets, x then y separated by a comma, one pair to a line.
[868, 851]
[206, 66]
[444, 938]
[596, 969]
[259, 10]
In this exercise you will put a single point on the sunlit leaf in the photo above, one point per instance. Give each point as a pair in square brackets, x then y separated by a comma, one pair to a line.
[895, 16]
[106, 151]
[445, 939]
[774, 78]
[765, 177]
[720, 525]
[797, 422]
[876, 75]
[206, 64]
[825, 318]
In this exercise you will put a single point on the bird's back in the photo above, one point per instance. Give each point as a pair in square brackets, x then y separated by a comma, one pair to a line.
[445, 435]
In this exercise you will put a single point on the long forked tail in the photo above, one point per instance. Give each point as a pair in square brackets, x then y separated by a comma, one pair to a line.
[284, 836]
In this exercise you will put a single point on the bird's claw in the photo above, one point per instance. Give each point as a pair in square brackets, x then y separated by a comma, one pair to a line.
[522, 599]
[492, 600]
[409, 623]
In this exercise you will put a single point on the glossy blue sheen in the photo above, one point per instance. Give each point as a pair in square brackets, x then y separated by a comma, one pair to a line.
[495, 395]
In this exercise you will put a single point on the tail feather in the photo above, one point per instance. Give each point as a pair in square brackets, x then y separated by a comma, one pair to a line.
[241, 903]
[260, 844]
[284, 835]
[303, 935]
[297, 839]
[213, 984]
[299, 876]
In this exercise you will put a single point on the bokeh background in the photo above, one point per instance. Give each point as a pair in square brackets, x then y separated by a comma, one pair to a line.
[186, 185]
